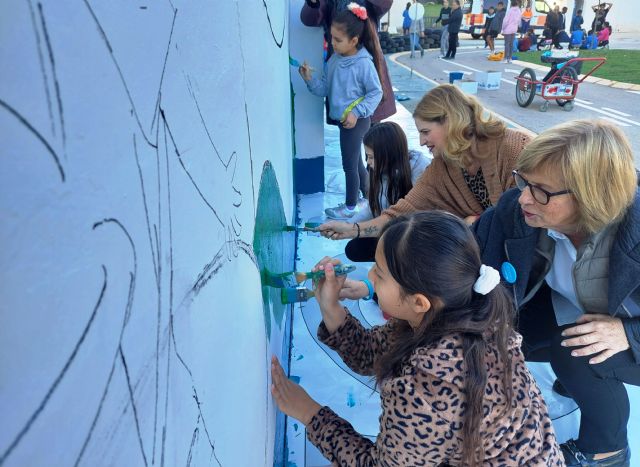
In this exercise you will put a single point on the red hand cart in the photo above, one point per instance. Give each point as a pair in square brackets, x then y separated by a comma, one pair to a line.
[560, 84]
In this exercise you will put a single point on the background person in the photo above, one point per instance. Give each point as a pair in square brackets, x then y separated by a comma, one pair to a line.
[453, 26]
[572, 232]
[445, 12]
[495, 26]
[510, 28]
[406, 20]
[417, 31]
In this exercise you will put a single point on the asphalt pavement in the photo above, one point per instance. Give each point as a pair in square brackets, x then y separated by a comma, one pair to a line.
[619, 106]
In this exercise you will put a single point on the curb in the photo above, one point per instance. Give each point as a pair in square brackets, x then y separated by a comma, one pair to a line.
[590, 79]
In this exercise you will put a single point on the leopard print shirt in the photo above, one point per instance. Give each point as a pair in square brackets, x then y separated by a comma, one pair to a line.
[478, 187]
[422, 408]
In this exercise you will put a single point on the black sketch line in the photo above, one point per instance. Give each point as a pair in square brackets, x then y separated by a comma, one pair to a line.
[244, 87]
[146, 210]
[194, 438]
[278, 42]
[54, 75]
[103, 34]
[195, 185]
[43, 70]
[133, 403]
[164, 67]
[125, 320]
[253, 188]
[170, 301]
[195, 392]
[37, 134]
[60, 376]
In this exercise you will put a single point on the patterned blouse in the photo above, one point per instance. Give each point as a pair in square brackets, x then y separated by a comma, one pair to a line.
[478, 187]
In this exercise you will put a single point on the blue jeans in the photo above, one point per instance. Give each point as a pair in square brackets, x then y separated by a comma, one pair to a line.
[415, 42]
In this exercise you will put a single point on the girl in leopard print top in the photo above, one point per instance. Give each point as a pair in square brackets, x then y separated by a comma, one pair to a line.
[453, 384]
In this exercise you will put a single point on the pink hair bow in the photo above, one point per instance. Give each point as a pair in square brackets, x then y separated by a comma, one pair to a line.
[358, 10]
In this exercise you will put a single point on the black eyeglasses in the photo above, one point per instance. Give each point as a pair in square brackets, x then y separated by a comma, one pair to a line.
[541, 195]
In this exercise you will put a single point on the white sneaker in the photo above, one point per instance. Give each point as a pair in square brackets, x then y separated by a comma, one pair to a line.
[341, 212]
[363, 203]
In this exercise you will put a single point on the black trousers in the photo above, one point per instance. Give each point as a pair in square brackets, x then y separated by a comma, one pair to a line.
[361, 249]
[453, 45]
[597, 389]
[355, 173]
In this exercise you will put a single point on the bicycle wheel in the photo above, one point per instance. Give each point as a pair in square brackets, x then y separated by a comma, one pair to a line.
[526, 87]
[566, 75]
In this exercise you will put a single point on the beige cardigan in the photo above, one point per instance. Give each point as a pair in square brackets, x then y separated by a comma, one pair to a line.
[442, 185]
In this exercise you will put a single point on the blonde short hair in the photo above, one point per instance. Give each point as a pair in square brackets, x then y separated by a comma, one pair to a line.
[596, 162]
[464, 117]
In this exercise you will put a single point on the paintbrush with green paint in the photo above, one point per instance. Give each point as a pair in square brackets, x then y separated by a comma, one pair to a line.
[287, 279]
[302, 294]
[307, 227]
[296, 63]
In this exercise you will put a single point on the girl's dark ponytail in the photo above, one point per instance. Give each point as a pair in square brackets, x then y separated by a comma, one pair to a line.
[369, 40]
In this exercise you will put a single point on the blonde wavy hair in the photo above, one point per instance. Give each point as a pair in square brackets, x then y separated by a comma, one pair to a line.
[595, 160]
[464, 118]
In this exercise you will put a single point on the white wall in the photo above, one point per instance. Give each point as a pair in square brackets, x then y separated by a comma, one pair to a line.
[133, 140]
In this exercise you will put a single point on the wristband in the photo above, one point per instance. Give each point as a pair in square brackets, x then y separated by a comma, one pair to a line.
[370, 287]
[358, 227]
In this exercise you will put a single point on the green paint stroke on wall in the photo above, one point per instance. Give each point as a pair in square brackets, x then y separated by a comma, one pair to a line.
[273, 246]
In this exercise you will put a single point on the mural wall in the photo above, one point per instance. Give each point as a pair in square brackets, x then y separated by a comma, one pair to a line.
[140, 143]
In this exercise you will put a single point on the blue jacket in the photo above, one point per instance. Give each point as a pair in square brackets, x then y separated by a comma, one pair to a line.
[503, 236]
[454, 21]
[345, 80]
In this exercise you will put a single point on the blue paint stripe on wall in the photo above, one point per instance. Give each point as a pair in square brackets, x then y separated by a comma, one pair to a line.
[309, 175]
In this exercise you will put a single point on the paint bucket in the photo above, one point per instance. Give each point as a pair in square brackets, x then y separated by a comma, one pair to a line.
[454, 75]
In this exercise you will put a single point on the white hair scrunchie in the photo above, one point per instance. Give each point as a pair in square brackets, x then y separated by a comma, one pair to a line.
[487, 280]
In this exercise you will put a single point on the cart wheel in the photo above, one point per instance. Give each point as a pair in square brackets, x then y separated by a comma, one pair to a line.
[567, 74]
[568, 106]
[526, 90]
[544, 107]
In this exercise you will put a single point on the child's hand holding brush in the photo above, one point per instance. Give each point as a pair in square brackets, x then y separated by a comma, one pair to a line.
[327, 291]
[305, 71]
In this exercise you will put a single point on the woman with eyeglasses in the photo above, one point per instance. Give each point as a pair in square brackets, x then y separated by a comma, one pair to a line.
[571, 229]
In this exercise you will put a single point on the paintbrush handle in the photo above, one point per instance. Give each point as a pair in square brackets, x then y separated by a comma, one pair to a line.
[340, 270]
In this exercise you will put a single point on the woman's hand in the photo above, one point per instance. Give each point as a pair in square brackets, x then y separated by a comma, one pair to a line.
[350, 121]
[305, 71]
[327, 291]
[336, 230]
[290, 397]
[598, 334]
[353, 290]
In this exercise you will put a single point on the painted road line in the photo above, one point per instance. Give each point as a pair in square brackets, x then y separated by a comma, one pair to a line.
[617, 122]
[503, 118]
[583, 101]
[476, 70]
[635, 92]
[617, 112]
[633, 122]
[511, 70]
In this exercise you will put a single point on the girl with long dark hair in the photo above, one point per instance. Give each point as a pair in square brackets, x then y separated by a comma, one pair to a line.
[351, 81]
[453, 383]
[393, 170]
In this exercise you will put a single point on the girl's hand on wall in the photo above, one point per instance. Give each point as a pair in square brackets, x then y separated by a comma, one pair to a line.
[353, 290]
[350, 121]
[327, 291]
[336, 230]
[305, 71]
[596, 334]
[290, 397]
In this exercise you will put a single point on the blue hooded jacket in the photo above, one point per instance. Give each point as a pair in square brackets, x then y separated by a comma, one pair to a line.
[503, 235]
[346, 79]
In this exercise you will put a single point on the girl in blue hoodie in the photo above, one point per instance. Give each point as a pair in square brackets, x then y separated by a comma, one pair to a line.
[352, 83]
